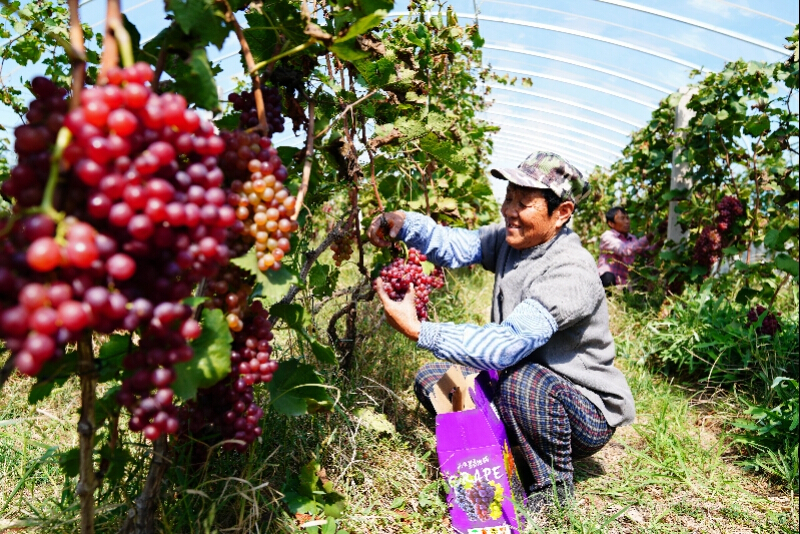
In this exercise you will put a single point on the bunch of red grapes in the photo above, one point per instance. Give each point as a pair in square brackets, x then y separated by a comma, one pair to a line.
[227, 409]
[729, 209]
[245, 102]
[769, 326]
[263, 205]
[708, 247]
[400, 274]
[146, 219]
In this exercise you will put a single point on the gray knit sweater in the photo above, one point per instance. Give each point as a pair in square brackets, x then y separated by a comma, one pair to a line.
[562, 276]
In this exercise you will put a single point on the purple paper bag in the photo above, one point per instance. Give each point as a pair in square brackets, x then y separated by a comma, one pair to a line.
[474, 456]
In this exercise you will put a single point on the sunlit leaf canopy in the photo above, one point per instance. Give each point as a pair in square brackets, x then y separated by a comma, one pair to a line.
[586, 73]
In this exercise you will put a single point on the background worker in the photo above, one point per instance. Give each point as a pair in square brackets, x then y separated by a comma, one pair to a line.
[618, 248]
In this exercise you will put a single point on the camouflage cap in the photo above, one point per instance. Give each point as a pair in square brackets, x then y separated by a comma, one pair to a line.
[546, 170]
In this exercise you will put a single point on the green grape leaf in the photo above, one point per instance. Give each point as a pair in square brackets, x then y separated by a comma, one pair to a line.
[757, 124]
[299, 504]
[212, 357]
[745, 294]
[322, 280]
[54, 374]
[786, 263]
[297, 319]
[196, 81]
[70, 462]
[228, 122]
[361, 26]
[295, 387]
[271, 286]
[348, 51]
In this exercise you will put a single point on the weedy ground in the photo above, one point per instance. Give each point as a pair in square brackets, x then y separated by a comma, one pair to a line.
[674, 470]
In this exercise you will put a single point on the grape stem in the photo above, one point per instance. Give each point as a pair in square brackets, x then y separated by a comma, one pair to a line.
[86, 429]
[124, 42]
[307, 163]
[110, 57]
[338, 117]
[250, 62]
[299, 48]
[141, 518]
[76, 53]
[62, 140]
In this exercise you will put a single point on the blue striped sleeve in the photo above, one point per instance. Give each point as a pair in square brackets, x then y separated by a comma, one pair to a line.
[493, 346]
[447, 247]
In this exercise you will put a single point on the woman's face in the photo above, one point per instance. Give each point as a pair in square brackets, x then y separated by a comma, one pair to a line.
[527, 221]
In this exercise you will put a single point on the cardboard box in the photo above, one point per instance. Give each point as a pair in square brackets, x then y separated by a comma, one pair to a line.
[474, 455]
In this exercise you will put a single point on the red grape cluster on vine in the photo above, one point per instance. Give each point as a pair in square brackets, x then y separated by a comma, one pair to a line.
[729, 209]
[245, 102]
[708, 247]
[400, 274]
[137, 217]
[769, 326]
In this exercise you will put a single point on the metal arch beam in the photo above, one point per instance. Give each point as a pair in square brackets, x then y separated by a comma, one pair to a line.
[586, 35]
[503, 127]
[565, 115]
[567, 102]
[557, 125]
[695, 22]
[579, 84]
[581, 64]
[609, 23]
[587, 156]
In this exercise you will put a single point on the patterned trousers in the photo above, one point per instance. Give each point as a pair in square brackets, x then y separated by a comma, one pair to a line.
[546, 418]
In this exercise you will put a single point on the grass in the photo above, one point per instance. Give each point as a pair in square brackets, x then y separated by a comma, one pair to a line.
[675, 470]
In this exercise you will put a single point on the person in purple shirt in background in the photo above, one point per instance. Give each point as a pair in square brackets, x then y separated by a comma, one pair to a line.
[559, 394]
[618, 249]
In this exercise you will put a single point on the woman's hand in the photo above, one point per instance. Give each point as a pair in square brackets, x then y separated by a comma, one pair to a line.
[402, 316]
[385, 227]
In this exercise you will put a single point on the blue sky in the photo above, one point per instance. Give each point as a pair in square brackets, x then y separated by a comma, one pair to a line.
[599, 67]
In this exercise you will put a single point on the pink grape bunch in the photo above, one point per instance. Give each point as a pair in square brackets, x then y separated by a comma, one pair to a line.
[263, 205]
[401, 273]
[729, 209]
[708, 247]
[245, 102]
[769, 326]
[342, 248]
[228, 408]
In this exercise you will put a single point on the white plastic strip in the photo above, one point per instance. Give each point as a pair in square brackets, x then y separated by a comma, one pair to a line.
[695, 22]
[536, 142]
[618, 144]
[580, 64]
[567, 102]
[628, 29]
[759, 13]
[565, 115]
[589, 86]
[506, 127]
[586, 35]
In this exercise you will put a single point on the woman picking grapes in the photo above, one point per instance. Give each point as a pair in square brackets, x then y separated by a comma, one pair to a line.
[559, 394]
